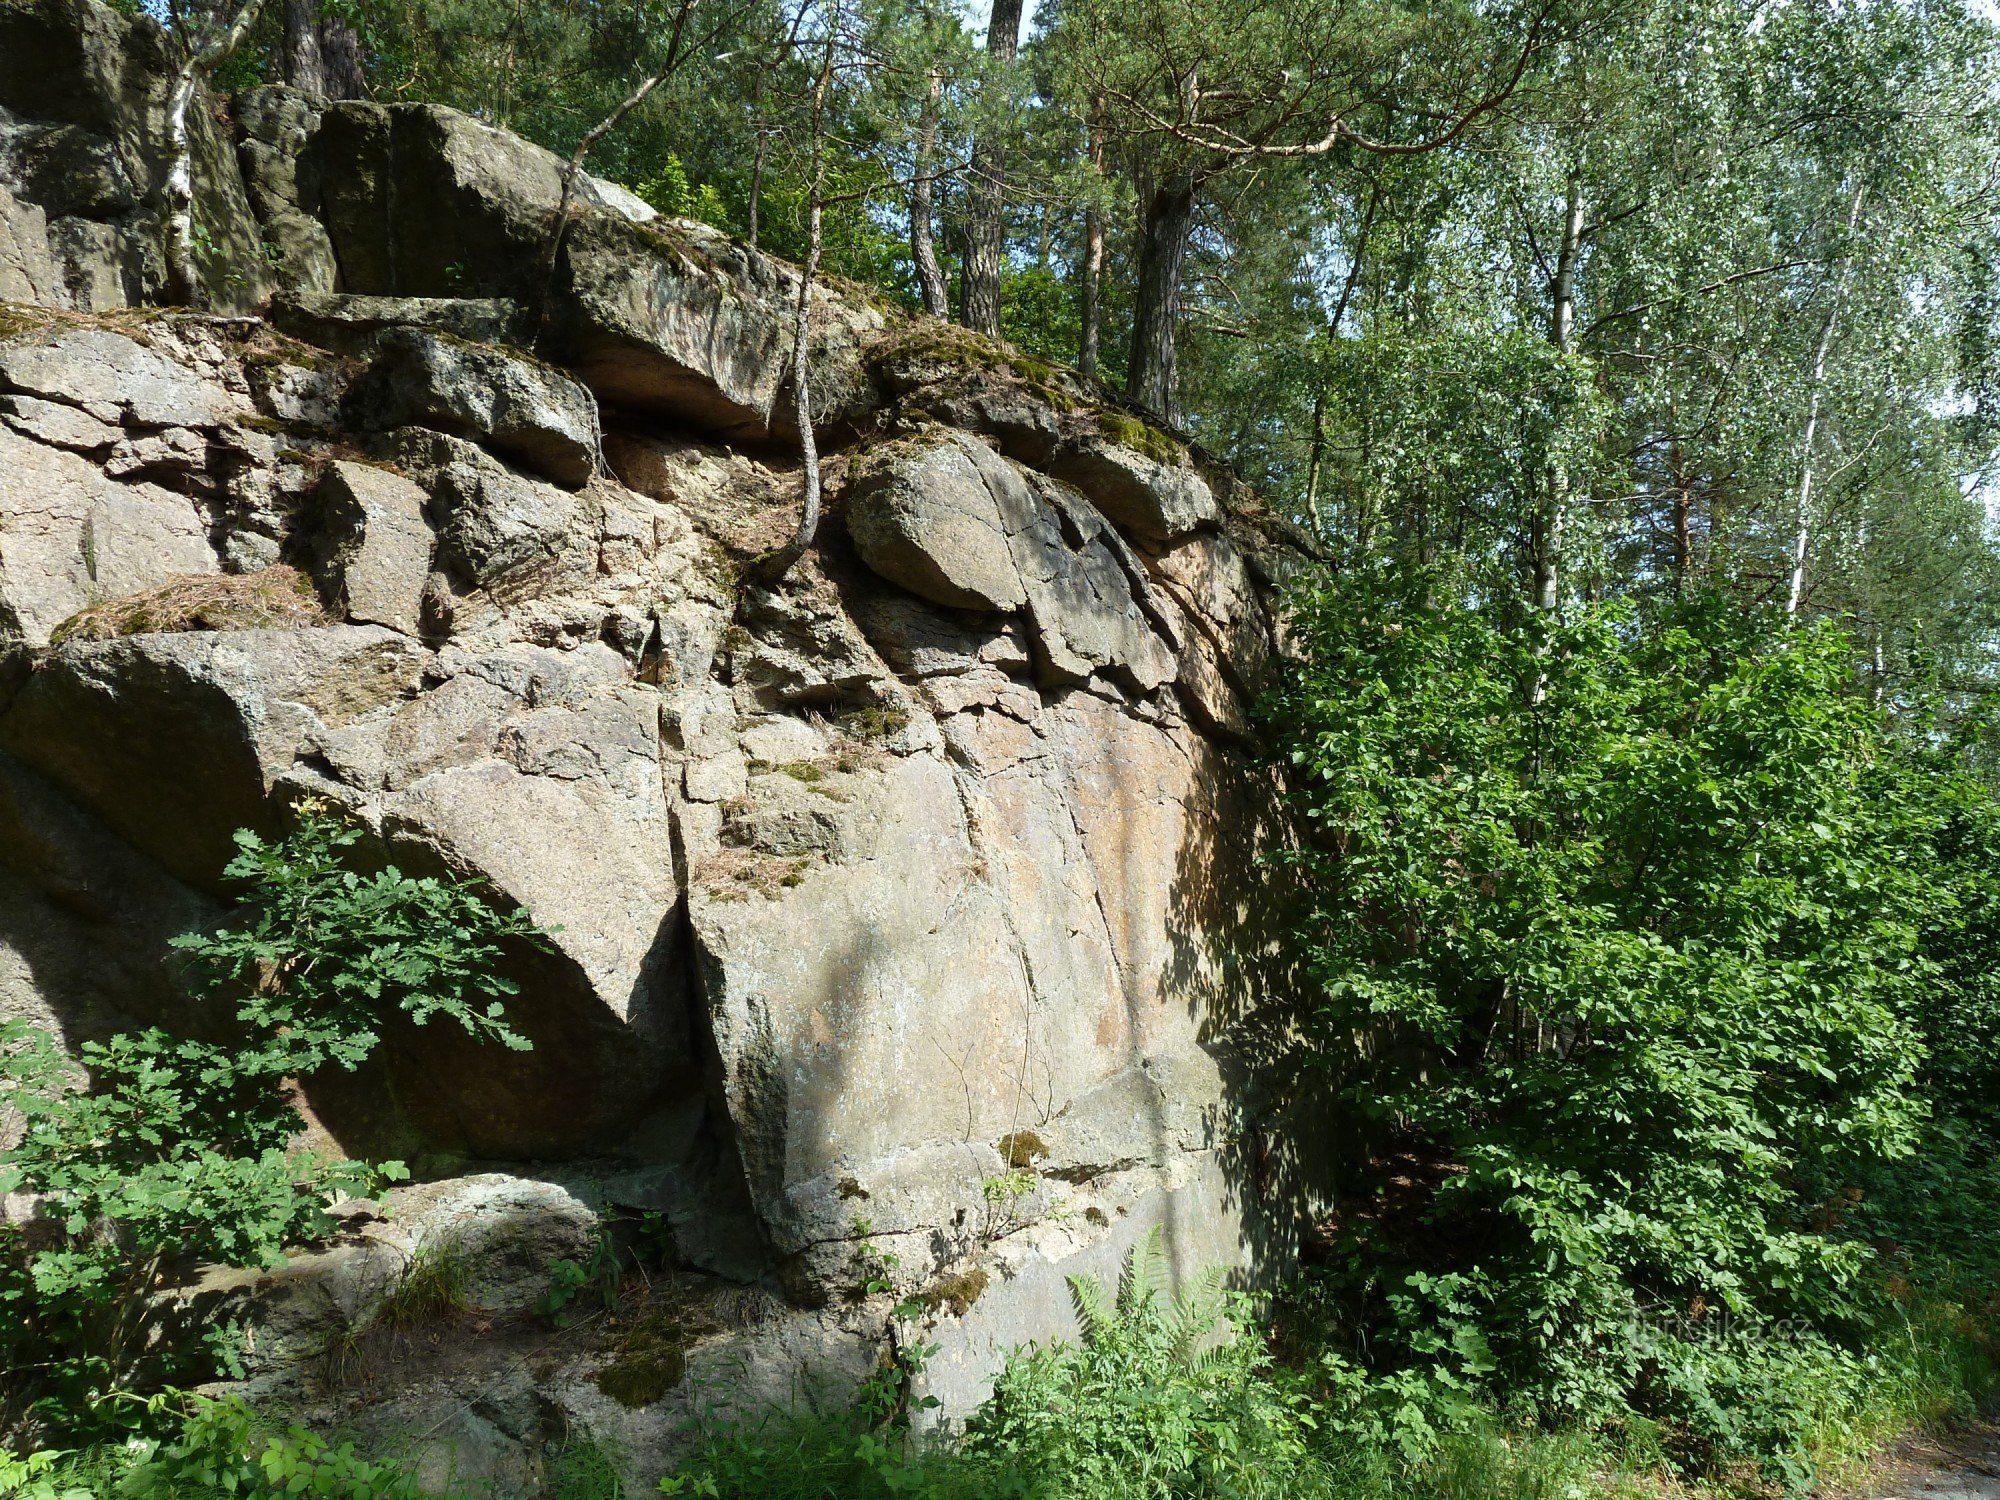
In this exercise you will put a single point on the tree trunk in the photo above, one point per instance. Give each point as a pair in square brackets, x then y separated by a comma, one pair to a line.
[1168, 218]
[757, 180]
[320, 56]
[1551, 524]
[779, 563]
[304, 65]
[199, 59]
[1316, 457]
[986, 193]
[1683, 514]
[1802, 517]
[1316, 461]
[340, 62]
[573, 168]
[1092, 311]
[923, 249]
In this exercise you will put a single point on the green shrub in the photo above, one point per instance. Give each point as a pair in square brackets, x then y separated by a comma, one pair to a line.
[226, 1449]
[170, 1152]
[1159, 1397]
[1628, 939]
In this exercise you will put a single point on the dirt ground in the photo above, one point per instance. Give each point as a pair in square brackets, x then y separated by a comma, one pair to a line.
[1965, 1466]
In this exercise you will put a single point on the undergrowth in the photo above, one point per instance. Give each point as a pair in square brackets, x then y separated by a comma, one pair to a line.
[1181, 1399]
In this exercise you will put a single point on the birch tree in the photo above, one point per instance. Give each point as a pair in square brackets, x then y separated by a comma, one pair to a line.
[203, 39]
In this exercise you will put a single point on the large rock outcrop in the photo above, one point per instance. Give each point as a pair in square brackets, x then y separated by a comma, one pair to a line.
[897, 907]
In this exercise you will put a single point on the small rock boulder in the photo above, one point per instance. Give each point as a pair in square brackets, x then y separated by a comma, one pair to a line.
[374, 545]
[676, 317]
[496, 526]
[508, 402]
[1156, 497]
[424, 201]
[924, 518]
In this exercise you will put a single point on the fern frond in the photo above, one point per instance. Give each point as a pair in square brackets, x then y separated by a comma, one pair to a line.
[1096, 1314]
[1144, 1272]
[1197, 1310]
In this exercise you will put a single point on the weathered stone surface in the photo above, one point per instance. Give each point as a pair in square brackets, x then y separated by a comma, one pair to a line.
[676, 317]
[926, 520]
[1199, 1225]
[27, 269]
[539, 770]
[83, 93]
[424, 201]
[1087, 600]
[497, 528]
[83, 917]
[175, 740]
[113, 377]
[353, 324]
[506, 1230]
[275, 127]
[57, 425]
[71, 172]
[505, 401]
[1156, 501]
[954, 522]
[373, 545]
[70, 537]
[920, 641]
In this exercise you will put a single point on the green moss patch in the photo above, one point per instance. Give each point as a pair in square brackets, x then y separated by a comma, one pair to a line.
[649, 1359]
[1140, 437]
[1021, 1149]
[955, 1293]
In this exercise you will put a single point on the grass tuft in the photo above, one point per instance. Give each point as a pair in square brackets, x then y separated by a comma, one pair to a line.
[274, 598]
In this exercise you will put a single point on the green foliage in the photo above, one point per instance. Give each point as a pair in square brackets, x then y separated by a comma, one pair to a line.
[670, 191]
[1160, 1397]
[1621, 933]
[327, 953]
[580, 1470]
[225, 1449]
[170, 1152]
[436, 1284]
[221, 1450]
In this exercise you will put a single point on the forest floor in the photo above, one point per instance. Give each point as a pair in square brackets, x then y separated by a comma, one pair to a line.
[1963, 1466]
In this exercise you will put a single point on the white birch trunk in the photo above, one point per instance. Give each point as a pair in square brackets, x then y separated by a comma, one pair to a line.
[1802, 515]
[177, 190]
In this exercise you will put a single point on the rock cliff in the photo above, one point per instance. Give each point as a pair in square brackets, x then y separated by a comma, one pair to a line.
[897, 907]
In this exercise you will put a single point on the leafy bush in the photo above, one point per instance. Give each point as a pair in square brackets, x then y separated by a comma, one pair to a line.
[179, 1151]
[326, 953]
[225, 1449]
[221, 1450]
[1160, 1397]
[1625, 934]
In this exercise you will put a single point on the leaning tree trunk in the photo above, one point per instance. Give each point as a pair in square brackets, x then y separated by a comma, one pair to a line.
[199, 59]
[1153, 380]
[923, 249]
[1091, 313]
[986, 191]
[774, 567]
